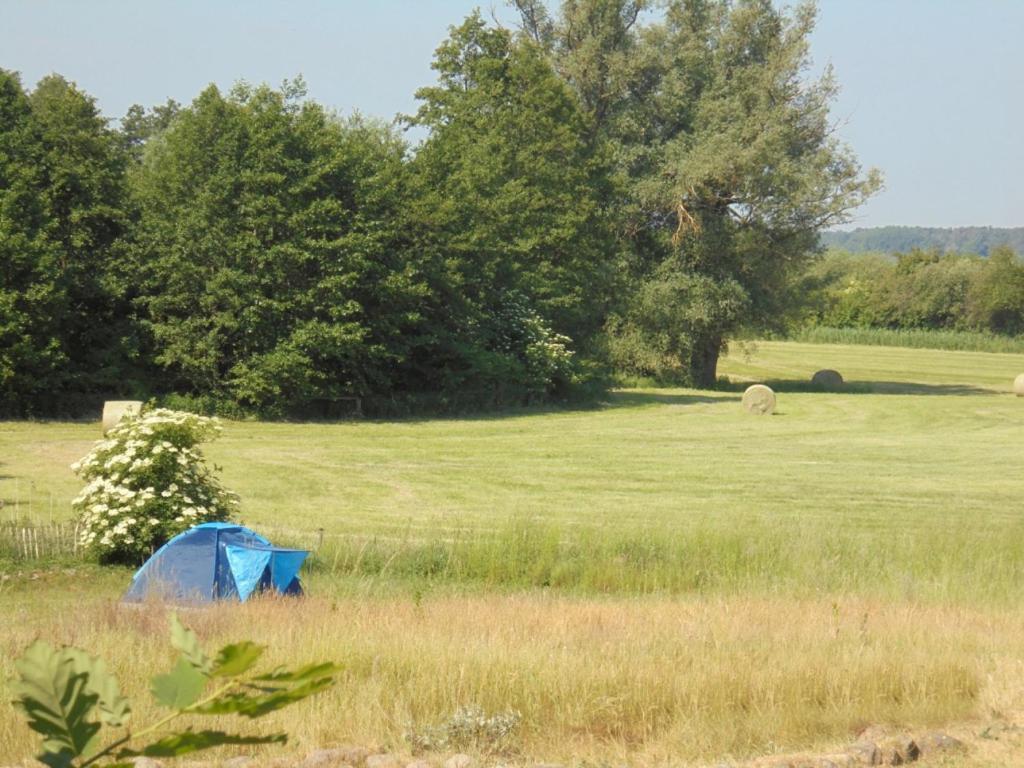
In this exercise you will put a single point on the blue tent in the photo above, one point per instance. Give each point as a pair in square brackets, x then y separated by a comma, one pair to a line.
[215, 561]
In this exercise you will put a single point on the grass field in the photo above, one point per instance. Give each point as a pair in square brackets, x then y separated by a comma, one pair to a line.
[909, 484]
[664, 577]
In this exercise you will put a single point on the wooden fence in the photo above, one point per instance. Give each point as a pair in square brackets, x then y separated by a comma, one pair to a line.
[38, 541]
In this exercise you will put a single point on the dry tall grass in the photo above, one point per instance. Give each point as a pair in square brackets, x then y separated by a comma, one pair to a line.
[656, 679]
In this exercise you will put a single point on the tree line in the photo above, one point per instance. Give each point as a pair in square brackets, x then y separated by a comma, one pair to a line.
[976, 240]
[597, 190]
[920, 289]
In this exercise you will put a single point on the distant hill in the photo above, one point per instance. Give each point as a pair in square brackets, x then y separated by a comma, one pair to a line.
[958, 239]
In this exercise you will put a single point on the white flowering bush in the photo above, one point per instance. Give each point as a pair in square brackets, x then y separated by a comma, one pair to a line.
[146, 482]
[520, 332]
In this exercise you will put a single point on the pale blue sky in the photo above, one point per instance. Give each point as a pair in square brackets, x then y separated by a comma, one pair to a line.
[932, 89]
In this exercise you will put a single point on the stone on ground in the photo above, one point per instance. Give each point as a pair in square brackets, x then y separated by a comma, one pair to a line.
[899, 750]
[865, 753]
[936, 741]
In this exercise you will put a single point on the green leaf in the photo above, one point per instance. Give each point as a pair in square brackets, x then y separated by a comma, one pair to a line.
[236, 659]
[178, 744]
[257, 706]
[113, 707]
[181, 687]
[57, 701]
[226, 704]
[302, 673]
[185, 640]
[62, 759]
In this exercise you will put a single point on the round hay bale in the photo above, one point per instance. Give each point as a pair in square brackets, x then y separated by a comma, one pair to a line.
[114, 410]
[827, 379]
[1018, 386]
[759, 399]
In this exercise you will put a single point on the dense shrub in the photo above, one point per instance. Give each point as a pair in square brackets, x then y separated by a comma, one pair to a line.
[147, 482]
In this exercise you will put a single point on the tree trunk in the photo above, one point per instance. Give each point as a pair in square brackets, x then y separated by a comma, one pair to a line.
[704, 361]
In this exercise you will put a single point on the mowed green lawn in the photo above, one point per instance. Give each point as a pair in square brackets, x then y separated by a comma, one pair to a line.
[914, 475]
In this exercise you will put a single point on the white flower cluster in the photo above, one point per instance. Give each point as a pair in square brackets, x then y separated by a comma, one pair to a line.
[147, 482]
[521, 331]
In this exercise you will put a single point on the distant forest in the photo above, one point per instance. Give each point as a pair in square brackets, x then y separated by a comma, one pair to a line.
[979, 240]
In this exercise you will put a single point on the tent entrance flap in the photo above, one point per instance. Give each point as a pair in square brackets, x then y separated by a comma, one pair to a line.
[284, 567]
[250, 566]
[247, 567]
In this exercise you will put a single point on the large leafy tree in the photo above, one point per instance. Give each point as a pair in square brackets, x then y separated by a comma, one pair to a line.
[732, 161]
[269, 250]
[61, 213]
[512, 196]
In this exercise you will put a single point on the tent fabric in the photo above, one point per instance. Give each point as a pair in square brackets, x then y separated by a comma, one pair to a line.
[284, 567]
[217, 561]
[247, 566]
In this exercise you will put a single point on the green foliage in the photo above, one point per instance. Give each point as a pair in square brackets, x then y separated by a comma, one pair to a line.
[140, 125]
[55, 693]
[995, 300]
[62, 208]
[666, 321]
[730, 163]
[147, 482]
[237, 659]
[69, 697]
[192, 741]
[181, 687]
[509, 194]
[185, 640]
[534, 358]
[926, 290]
[270, 251]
